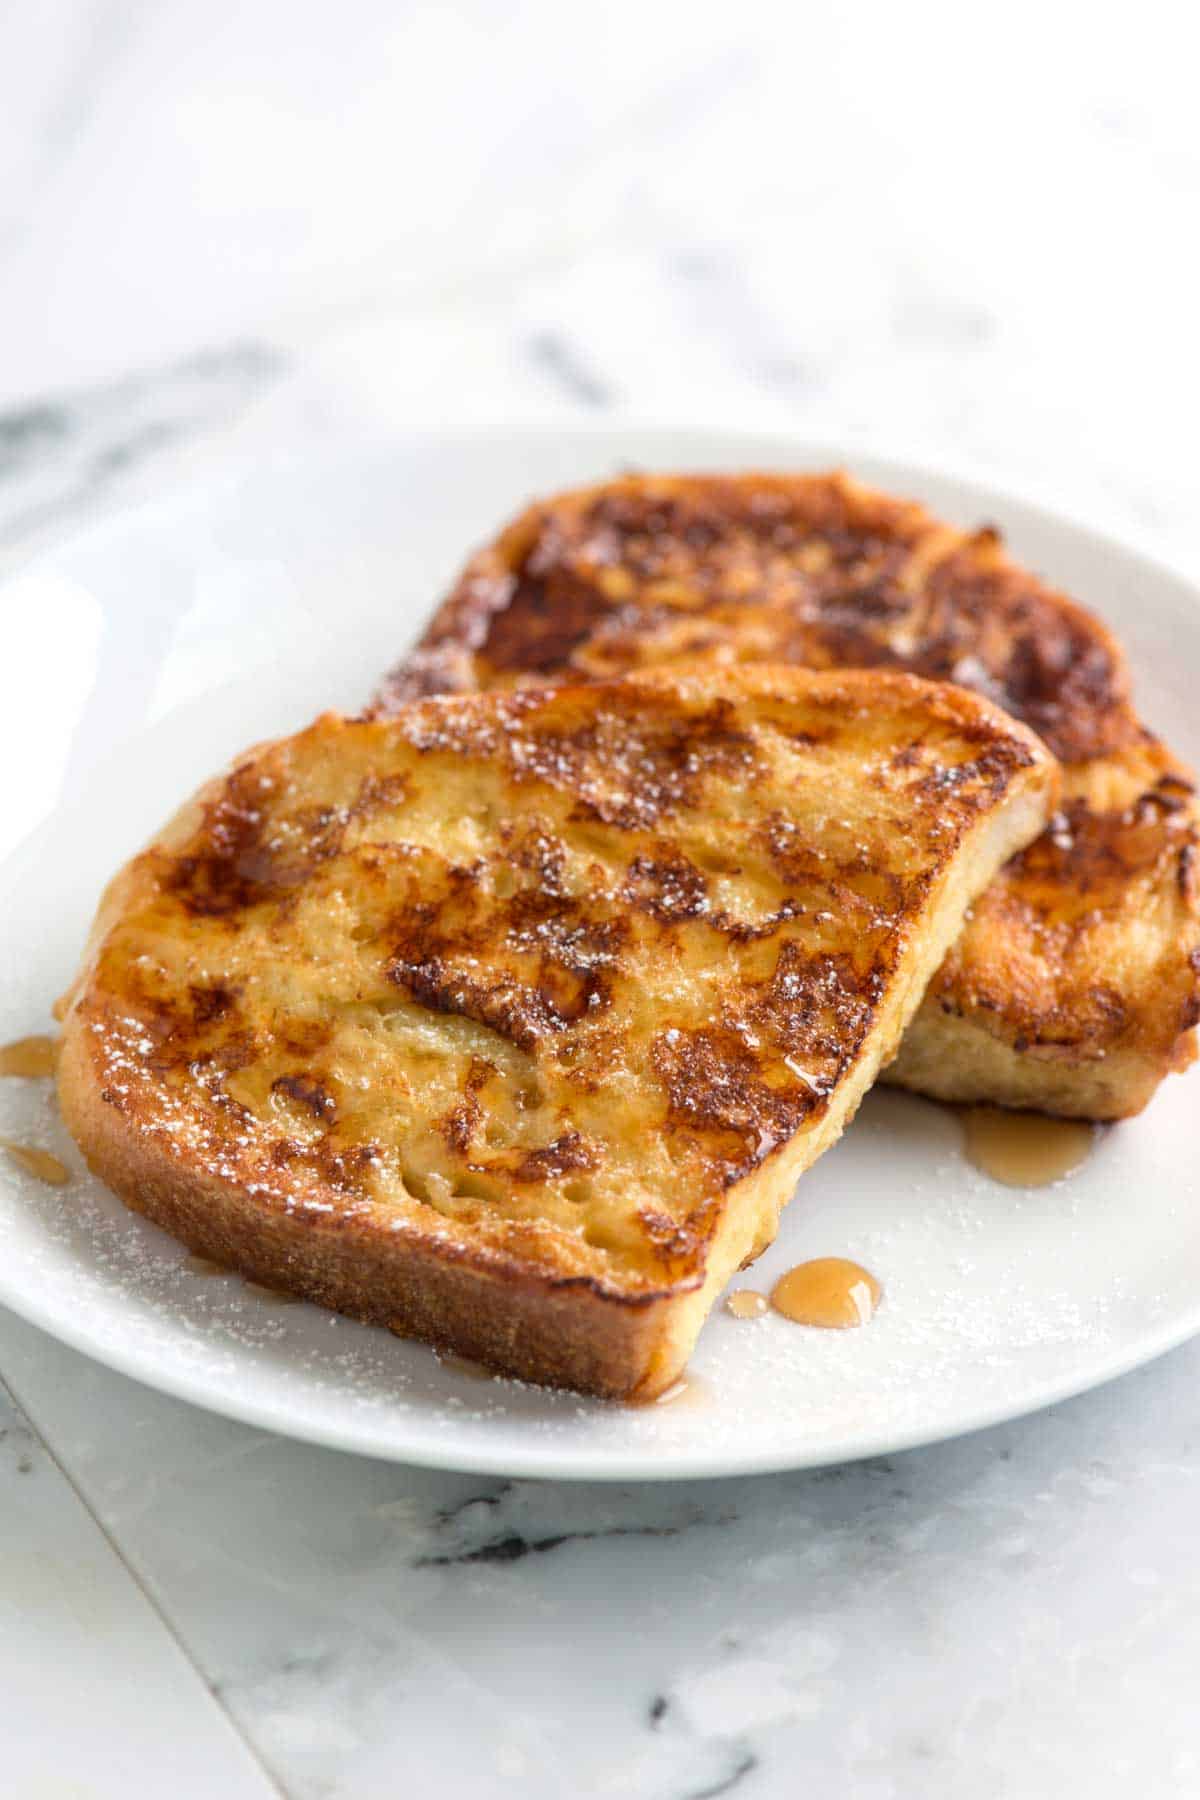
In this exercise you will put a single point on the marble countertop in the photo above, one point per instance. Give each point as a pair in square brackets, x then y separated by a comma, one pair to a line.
[227, 228]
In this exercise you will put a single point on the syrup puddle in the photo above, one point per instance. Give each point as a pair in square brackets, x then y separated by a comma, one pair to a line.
[39, 1163]
[204, 1265]
[746, 1303]
[1024, 1149]
[829, 1291]
[30, 1058]
[33, 1059]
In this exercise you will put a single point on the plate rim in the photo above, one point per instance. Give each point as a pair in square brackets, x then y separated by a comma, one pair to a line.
[114, 516]
[606, 1465]
[424, 1446]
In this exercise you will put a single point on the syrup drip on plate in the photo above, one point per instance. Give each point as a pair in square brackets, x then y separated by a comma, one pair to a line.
[30, 1058]
[830, 1291]
[1025, 1149]
[39, 1163]
[33, 1059]
[746, 1303]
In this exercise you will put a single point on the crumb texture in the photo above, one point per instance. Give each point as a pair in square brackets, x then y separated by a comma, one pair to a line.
[538, 975]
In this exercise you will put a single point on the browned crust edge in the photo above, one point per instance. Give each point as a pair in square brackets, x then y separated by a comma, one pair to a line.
[955, 1060]
[554, 1329]
[442, 659]
[949, 1054]
[559, 1332]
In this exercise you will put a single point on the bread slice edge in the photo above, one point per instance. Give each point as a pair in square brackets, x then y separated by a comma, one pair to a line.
[557, 1331]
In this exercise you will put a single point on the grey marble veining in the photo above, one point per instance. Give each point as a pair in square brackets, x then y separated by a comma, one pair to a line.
[66, 458]
[969, 1620]
[96, 1695]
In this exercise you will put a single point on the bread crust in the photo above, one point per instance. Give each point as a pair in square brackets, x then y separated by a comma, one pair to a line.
[1075, 987]
[557, 1330]
[510, 1022]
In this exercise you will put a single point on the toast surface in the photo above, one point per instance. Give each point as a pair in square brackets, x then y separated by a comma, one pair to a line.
[509, 1021]
[1076, 986]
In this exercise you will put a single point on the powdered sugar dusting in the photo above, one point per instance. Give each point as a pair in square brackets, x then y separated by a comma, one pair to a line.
[994, 1298]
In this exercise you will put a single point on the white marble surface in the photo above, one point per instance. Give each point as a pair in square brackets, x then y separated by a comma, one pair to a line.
[98, 1695]
[965, 236]
[1014, 1614]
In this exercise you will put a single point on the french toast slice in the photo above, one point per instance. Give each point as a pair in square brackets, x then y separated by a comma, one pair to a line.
[1075, 986]
[510, 1021]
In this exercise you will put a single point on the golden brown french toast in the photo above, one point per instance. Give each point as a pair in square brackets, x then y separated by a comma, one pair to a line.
[1076, 985]
[510, 1021]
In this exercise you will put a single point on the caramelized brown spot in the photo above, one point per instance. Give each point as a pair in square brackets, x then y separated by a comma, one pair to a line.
[210, 1003]
[569, 1152]
[1087, 853]
[811, 569]
[309, 1093]
[545, 619]
[461, 1122]
[991, 769]
[667, 886]
[715, 1084]
[521, 1015]
[234, 865]
[571, 951]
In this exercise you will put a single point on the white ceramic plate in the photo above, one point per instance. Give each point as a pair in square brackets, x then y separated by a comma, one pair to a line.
[141, 657]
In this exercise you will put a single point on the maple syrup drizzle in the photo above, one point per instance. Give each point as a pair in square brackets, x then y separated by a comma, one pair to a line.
[39, 1163]
[746, 1303]
[829, 1291]
[1024, 1149]
[33, 1059]
[204, 1265]
[30, 1058]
